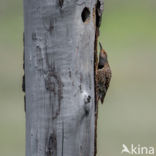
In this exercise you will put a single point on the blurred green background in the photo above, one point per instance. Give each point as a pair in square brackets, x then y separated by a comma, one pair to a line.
[128, 33]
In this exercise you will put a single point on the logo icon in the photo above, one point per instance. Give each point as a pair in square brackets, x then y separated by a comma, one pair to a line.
[142, 150]
[125, 149]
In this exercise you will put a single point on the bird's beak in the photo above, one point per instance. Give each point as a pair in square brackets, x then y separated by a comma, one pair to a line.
[100, 46]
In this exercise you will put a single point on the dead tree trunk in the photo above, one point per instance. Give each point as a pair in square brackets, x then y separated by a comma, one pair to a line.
[60, 39]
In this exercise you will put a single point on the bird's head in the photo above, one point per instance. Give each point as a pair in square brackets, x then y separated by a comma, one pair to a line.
[102, 57]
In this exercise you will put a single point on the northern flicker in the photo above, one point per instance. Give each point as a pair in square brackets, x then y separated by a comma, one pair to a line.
[104, 75]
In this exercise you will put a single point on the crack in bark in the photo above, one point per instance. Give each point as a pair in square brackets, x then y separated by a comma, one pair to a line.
[54, 86]
[52, 145]
[53, 83]
[62, 138]
[61, 3]
[97, 14]
[23, 79]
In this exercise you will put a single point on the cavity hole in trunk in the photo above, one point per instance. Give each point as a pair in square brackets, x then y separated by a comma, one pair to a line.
[85, 14]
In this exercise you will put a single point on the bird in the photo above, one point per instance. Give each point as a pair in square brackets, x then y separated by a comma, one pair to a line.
[103, 76]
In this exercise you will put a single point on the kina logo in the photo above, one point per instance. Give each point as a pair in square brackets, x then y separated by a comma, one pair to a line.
[136, 150]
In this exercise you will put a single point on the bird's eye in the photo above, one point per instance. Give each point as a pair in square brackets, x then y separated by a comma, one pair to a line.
[100, 66]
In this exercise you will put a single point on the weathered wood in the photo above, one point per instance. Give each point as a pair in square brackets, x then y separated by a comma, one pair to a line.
[59, 75]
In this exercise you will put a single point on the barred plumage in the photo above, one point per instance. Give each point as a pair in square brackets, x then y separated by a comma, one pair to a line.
[103, 75]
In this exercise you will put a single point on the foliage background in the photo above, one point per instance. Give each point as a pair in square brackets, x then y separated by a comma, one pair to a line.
[128, 33]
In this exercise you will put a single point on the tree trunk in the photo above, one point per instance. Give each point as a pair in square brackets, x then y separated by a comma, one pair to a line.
[60, 50]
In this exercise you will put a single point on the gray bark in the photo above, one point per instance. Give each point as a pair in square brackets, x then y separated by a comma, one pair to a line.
[59, 50]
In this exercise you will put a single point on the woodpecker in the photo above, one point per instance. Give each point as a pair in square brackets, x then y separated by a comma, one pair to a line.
[104, 75]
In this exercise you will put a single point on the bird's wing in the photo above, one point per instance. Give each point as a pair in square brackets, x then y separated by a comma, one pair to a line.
[101, 79]
[108, 77]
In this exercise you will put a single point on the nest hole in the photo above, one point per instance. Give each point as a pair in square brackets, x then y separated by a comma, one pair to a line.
[85, 14]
